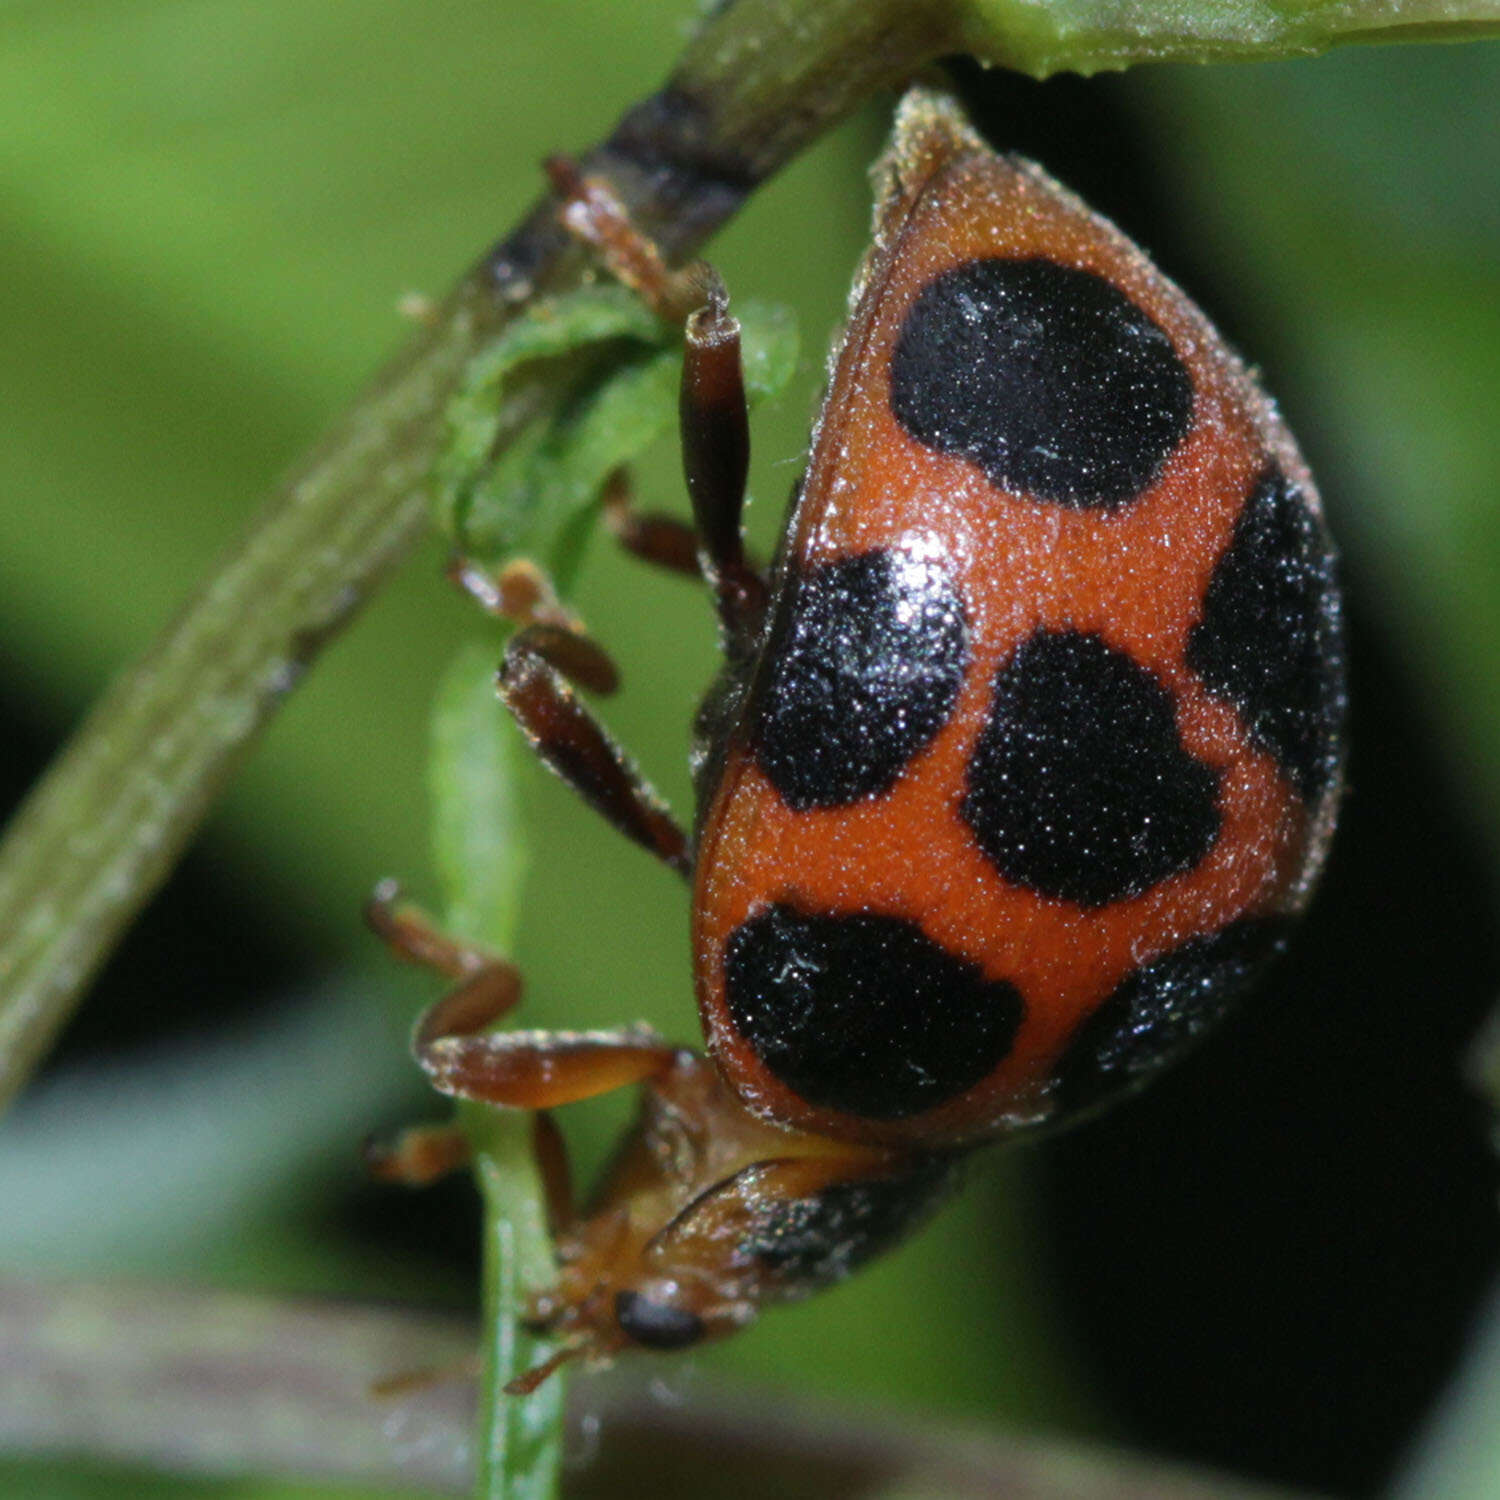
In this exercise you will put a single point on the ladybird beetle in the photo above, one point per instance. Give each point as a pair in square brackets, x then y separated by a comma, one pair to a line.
[1020, 763]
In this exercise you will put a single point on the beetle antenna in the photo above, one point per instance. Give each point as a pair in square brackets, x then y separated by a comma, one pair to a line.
[524, 1384]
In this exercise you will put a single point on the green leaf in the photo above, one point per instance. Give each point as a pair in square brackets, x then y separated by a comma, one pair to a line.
[540, 498]
[769, 346]
[552, 329]
[1092, 36]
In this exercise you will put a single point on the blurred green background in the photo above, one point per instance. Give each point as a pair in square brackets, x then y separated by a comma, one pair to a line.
[208, 212]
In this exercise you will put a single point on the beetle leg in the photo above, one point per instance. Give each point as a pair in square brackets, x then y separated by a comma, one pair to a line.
[572, 743]
[655, 538]
[542, 1069]
[712, 411]
[574, 656]
[715, 430]
[411, 934]
[592, 213]
[520, 592]
[672, 544]
[523, 594]
[423, 1154]
[529, 1069]
[420, 1155]
[551, 1152]
[533, 1070]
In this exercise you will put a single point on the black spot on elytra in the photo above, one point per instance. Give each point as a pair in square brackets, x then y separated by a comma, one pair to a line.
[865, 1013]
[814, 1241]
[863, 670]
[1080, 787]
[1161, 1008]
[1271, 637]
[1050, 379]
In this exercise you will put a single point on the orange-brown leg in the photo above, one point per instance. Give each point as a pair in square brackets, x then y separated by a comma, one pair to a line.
[523, 1070]
[423, 1154]
[520, 592]
[712, 410]
[572, 743]
[556, 1172]
[542, 1069]
[540, 660]
[662, 540]
[533, 1070]
[419, 1156]
[591, 212]
[488, 986]
[655, 538]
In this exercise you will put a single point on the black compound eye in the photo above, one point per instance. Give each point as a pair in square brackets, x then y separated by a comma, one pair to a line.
[656, 1325]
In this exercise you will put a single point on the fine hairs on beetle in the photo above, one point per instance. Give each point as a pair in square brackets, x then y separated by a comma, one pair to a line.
[1025, 754]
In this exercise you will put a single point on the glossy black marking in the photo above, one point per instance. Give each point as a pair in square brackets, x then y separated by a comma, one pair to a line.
[1161, 1008]
[1080, 787]
[1050, 379]
[656, 1325]
[862, 669]
[812, 1242]
[865, 1013]
[1271, 637]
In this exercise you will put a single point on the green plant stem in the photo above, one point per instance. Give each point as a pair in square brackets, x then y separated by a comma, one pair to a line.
[480, 854]
[520, 1449]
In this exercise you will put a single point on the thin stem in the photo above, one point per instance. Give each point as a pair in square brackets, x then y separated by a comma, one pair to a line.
[520, 1448]
[480, 852]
